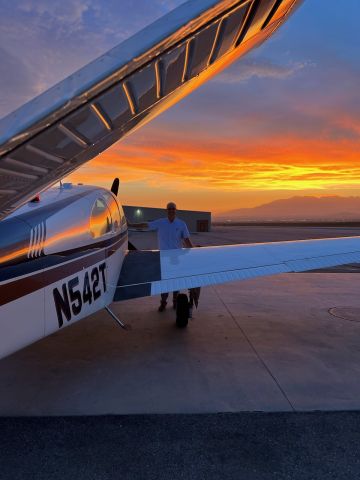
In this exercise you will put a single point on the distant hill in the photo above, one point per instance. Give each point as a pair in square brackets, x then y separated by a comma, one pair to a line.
[330, 208]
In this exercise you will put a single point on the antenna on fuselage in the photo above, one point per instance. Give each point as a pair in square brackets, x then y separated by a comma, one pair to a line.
[115, 186]
[61, 184]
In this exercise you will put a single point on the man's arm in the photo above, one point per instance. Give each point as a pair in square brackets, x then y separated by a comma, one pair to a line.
[186, 237]
[138, 225]
[188, 243]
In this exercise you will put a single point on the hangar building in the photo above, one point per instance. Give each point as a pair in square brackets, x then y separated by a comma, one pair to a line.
[196, 221]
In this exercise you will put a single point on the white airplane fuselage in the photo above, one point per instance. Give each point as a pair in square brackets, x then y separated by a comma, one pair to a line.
[60, 259]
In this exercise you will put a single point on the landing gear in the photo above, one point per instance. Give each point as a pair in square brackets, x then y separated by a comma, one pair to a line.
[182, 310]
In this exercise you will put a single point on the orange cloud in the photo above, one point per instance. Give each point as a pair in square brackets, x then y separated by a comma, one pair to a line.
[282, 163]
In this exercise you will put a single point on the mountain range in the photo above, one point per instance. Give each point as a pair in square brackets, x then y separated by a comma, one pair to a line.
[309, 208]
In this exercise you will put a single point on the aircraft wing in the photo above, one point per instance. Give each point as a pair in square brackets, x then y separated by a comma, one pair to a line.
[146, 273]
[55, 133]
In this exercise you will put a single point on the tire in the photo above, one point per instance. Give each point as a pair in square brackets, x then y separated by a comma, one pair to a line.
[182, 310]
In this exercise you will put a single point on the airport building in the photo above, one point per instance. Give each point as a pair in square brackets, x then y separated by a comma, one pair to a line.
[196, 221]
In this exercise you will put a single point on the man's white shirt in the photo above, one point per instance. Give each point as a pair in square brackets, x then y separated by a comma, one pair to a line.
[170, 234]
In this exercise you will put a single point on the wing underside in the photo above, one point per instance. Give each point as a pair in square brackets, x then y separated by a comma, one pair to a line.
[146, 273]
[78, 118]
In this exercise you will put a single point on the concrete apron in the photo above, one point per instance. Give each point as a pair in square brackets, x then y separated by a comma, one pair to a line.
[268, 344]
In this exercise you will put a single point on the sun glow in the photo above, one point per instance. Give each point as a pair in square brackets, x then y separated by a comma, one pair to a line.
[283, 164]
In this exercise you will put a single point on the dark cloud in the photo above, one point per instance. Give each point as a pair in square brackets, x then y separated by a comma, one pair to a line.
[17, 83]
[57, 38]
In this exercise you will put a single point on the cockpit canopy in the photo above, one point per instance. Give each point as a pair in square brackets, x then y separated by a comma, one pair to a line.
[105, 216]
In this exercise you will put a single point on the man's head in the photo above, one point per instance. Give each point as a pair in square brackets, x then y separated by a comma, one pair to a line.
[171, 211]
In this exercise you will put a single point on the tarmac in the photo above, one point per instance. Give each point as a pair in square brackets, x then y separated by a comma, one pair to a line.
[263, 384]
[274, 344]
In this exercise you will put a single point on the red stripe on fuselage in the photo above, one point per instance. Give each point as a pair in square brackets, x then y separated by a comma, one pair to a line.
[24, 286]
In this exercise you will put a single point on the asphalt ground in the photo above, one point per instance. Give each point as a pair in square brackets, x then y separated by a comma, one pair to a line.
[251, 446]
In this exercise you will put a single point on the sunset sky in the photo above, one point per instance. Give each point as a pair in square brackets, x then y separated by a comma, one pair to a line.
[282, 121]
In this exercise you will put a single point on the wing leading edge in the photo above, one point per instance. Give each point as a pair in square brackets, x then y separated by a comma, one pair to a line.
[154, 272]
[78, 118]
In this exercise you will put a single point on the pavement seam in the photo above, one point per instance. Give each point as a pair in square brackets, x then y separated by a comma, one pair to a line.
[256, 352]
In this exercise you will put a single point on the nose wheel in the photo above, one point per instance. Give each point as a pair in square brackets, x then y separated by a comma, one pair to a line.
[182, 310]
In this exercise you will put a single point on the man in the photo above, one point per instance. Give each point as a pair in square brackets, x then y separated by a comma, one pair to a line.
[172, 233]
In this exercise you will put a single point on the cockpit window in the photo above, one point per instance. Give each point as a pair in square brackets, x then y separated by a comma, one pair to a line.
[123, 218]
[100, 220]
[114, 211]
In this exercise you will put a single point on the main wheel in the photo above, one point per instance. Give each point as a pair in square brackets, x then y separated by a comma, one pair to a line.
[182, 310]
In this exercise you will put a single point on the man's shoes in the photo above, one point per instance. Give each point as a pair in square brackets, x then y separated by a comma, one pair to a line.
[162, 306]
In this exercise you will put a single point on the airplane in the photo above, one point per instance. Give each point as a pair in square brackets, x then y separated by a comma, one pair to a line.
[64, 251]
